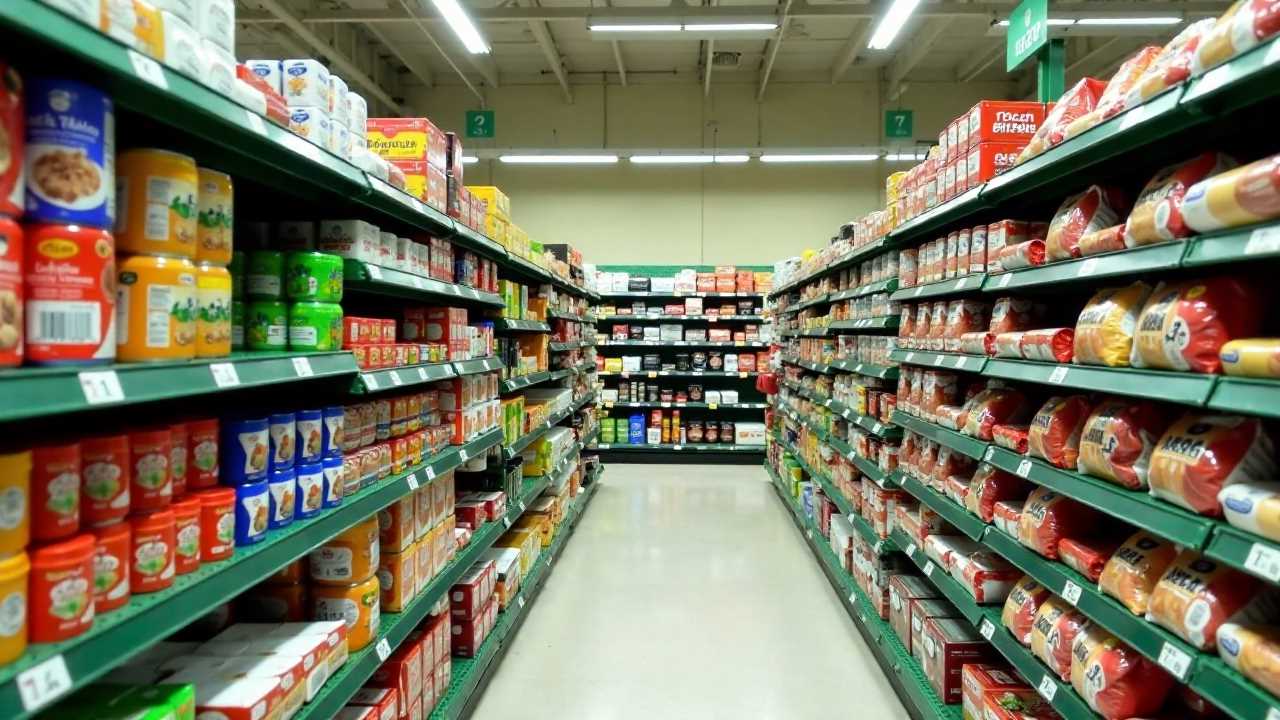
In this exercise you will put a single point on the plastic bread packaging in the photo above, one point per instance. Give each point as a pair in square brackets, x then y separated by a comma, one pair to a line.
[940, 388]
[1008, 345]
[943, 549]
[1106, 325]
[1001, 235]
[1096, 208]
[1087, 556]
[950, 417]
[1253, 650]
[907, 322]
[1197, 594]
[1131, 574]
[1251, 357]
[957, 488]
[1118, 439]
[1253, 507]
[1184, 326]
[979, 343]
[994, 405]
[1056, 428]
[1011, 437]
[1009, 314]
[924, 312]
[1019, 611]
[1048, 517]
[964, 316]
[990, 486]
[1243, 26]
[988, 577]
[1157, 214]
[1006, 516]
[1106, 240]
[1114, 679]
[951, 463]
[1241, 196]
[1127, 76]
[1049, 344]
[1079, 100]
[1053, 631]
[1200, 454]
[1171, 66]
[1023, 255]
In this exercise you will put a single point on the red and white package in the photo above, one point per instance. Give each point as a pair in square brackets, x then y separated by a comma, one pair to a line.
[1012, 437]
[1049, 516]
[1023, 255]
[1007, 515]
[1243, 26]
[950, 417]
[977, 343]
[1133, 570]
[906, 324]
[1202, 453]
[1080, 99]
[907, 267]
[1172, 65]
[1007, 345]
[1019, 612]
[978, 249]
[1112, 100]
[1055, 430]
[957, 488]
[1197, 594]
[1096, 208]
[949, 259]
[943, 549]
[1183, 326]
[1087, 556]
[964, 316]
[1157, 214]
[950, 463]
[995, 405]
[991, 485]
[1118, 439]
[1106, 240]
[1009, 314]
[1053, 631]
[964, 238]
[988, 159]
[1049, 344]
[1114, 679]
[1009, 232]
[1004, 121]
[940, 388]
[924, 314]
[988, 577]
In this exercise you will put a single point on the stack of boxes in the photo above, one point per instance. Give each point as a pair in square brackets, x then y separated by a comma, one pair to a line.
[472, 608]
[419, 149]
[411, 682]
[497, 214]
[724, 279]
[322, 108]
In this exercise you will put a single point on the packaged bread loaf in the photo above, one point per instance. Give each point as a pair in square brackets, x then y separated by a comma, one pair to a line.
[1134, 569]
[1241, 196]
[1197, 594]
[1157, 214]
[1118, 439]
[1201, 453]
[1049, 516]
[1253, 650]
[991, 485]
[1109, 239]
[1012, 437]
[1183, 326]
[1007, 515]
[1106, 325]
[1114, 679]
[1053, 631]
[1080, 99]
[1055, 345]
[1243, 26]
[1172, 65]
[979, 343]
[1055, 430]
[1087, 555]
[1009, 314]
[994, 405]
[1096, 208]
[1029, 253]
[1112, 100]
[1251, 357]
[1019, 612]
[1253, 507]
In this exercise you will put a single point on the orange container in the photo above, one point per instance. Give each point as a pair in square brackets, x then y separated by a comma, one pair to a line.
[291, 574]
[350, 557]
[15, 502]
[157, 297]
[357, 605]
[179, 455]
[61, 590]
[14, 573]
[279, 603]
[158, 207]
[186, 522]
[55, 491]
[217, 523]
[104, 489]
[202, 453]
[112, 550]
[154, 537]
[151, 486]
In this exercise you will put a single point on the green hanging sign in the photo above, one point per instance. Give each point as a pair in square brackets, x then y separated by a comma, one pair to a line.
[898, 123]
[1028, 31]
[479, 123]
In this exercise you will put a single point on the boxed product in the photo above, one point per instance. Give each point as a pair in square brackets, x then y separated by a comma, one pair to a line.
[468, 634]
[402, 671]
[988, 159]
[902, 590]
[1004, 121]
[470, 593]
[385, 702]
[980, 682]
[949, 644]
[921, 610]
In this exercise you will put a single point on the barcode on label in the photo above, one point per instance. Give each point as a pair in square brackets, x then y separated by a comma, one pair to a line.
[1024, 468]
[986, 456]
[1047, 688]
[43, 683]
[413, 481]
[1071, 592]
[928, 568]
[1263, 561]
[1175, 661]
[1058, 375]
[986, 629]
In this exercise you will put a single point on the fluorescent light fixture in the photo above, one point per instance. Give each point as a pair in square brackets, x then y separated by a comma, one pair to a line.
[731, 159]
[634, 28]
[1059, 22]
[462, 26]
[729, 27]
[470, 159]
[892, 23]
[671, 159]
[558, 159]
[1129, 21]
[905, 157]
[826, 158]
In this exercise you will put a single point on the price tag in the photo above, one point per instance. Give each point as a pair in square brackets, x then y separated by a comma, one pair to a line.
[665, 404]
[712, 406]
[520, 602]
[463, 454]
[506, 522]
[1024, 468]
[853, 600]
[1175, 661]
[413, 481]
[101, 386]
[986, 629]
[877, 428]
[224, 375]
[1273, 713]
[961, 283]
[857, 368]
[383, 649]
[739, 343]
[374, 271]
[1263, 561]
[1263, 240]
[422, 373]
[431, 473]
[928, 568]
[44, 683]
[918, 290]
[743, 374]
[302, 367]
[652, 374]
[1047, 688]
[1133, 117]
[1004, 280]
[1071, 592]
[396, 379]
[938, 360]
[418, 282]
[1087, 268]
[370, 381]
[809, 533]
[1058, 375]
[910, 356]
[677, 447]
[961, 362]
[148, 69]
[255, 122]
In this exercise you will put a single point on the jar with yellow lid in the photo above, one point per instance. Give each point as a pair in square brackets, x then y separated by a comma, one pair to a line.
[350, 557]
[213, 232]
[358, 605]
[156, 193]
[13, 607]
[213, 311]
[15, 506]
[156, 309]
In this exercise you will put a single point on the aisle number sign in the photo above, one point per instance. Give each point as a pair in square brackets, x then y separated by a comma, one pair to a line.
[480, 123]
[1028, 32]
[898, 123]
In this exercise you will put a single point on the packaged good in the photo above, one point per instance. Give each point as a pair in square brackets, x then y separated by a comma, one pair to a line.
[1253, 649]
[178, 452]
[1048, 517]
[1106, 326]
[157, 191]
[1053, 632]
[1243, 26]
[1251, 357]
[214, 219]
[267, 325]
[1087, 556]
[1115, 680]
[1092, 210]
[315, 326]
[1197, 594]
[217, 523]
[981, 683]
[186, 524]
[70, 154]
[282, 496]
[282, 429]
[111, 561]
[1118, 439]
[1030, 253]
[988, 577]
[12, 131]
[264, 277]
[61, 590]
[253, 512]
[977, 343]
[156, 309]
[15, 498]
[350, 557]
[1019, 612]
[1007, 515]
[963, 316]
[14, 573]
[213, 311]
[1172, 65]
[358, 605]
[949, 645]
[105, 489]
[1201, 453]
[313, 276]
[1010, 314]
[1183, 326]
[1012, 437]
[1055, 430]
[151, 566]
[1109, 239]
[1241, 196]
[1157, 215]
[991, 485]
[334, 486]
[1077, 101]
[69, 273]
[245, 449]
[310, 490]
[11, 282]
[1134, 569]
[1048, 344]
[992, 406]
[1112, 100]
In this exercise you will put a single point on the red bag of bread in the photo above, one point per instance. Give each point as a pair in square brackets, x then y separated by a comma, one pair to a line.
[940, 388]
[988, 577]
[950, 416]
[957, 488]
[1023, 255]
[925, 461]
[1134, 569]
[989, 486]
[1019, 612]
[1049, 344]
[1112, 100]
[1087, 556]
[963, 316]
[1012, 437]
[995, 405]
[976, 343]
[1048, 517]
[1001, 235]
[951, 462]
[1080, 99]
[1053, 631]
[1157, 215]
[1183, 326]
[1055, 430]
[1197, 594]
[924, 313]
[1118, 439]
[1009, 314]
[1106, 240]
[907, 322]
[1008, 345]
[1113, 678]
[937, 325]
[1201, 453]
[1172, 65]
[1092, 210]
[1007, 515]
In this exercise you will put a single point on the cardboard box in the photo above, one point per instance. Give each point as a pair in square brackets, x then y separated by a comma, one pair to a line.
[949, 644]
[469, 633]
[494, 201]
[978, 680]
[239, 699]
[402, 671]
[988, 159]
[902, 590]
[470, 593]
[923, 609]
[437, 190]
[415, 176]
[384, 700]
[1004, 121]
[406, 139]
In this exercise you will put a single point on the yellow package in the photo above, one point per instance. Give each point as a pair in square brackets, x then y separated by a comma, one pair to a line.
[1242, 196]
[522, 539]
[397, 579]
[499, 203]
[396, 525]
[1105, 328]
[1251, 357]
[1231, 35]
[149, 30]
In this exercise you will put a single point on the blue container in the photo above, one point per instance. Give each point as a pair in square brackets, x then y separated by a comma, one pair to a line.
[310, 490]
[245, 447]
[284, 433]
[282, 487]
[253, 512]
[75, 121]
[310, 440]
[332, 481]
[331, 432]
[635, 430]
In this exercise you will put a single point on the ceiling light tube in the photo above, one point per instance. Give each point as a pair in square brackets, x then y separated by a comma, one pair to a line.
[1053, 22]
[462, 26]
[731, 159]
[822, 158]
[670, 159]
[729, 27]
[905, 157]
[470, 159]
[1129, 21]
[892, 23]
[634, 28]
[558, 159]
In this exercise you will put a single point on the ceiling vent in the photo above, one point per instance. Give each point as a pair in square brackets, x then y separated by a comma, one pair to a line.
[724, 59]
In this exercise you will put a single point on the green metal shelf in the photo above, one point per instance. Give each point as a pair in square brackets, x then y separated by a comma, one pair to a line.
[690, 405]
[679, 373]
[1123, 263]
[941, 579]
[865, 466]
[682, 318]
[1245, 551]
[1254, 396]
[371, 381]
[816, 367]
[1235, 694]
[1235, 84]
[511, 385]
[818, 300]
[476, 366]
[966, 522]
[883, 286]
[954, 286]
[515, 325]
[1179, 387]
[961, 443]
[518, 445]
[570, 345]
[884, 372]
[562, 315]
[148, 618]
[478, 241]
[871, 249]
[681, 447]
[949, 361]
[1058, 693]
[937, 218]
[879, 545]
[679, 343]
[876, 323]
[369, 278]
[870, 424]
[1246, 244]
[650, 294]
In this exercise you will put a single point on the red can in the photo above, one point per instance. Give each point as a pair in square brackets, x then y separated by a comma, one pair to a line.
[61, 597]
[70, 277]
[104, 490]
[151, 567]
[178, 457]
[112, 550]
[202, 453]
[151, 487]
[13, 117]
[186, 519]
[217, 523]
[55, 491]
[11, 325]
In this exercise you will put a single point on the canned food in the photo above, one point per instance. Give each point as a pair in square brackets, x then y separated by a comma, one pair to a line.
[158, 207]
[266, 325]
[55, 491]
[12, 135]
[217, 523]
[202, 468]
[154, 541]
[253, 512]
[151, 486]
[283, 430]
[105, 487]
[310, 490]
[213, 311]
[332, 431]
[186, 520]
[70, 277]
[61, 601]
[237, 323]
[313, 276]
[334, 486]
[245, 446]
[112, 547]
[264, 275]
[282, 488]
[213, 231]
[11, 251]
[309, 442]
[156, 307]
[70, 154]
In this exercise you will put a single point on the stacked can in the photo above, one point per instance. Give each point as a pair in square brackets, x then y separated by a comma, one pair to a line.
[310, 282]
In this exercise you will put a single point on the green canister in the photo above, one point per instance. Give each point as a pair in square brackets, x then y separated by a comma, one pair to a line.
[237, 270]
[313, 276]
[264, 280]
[266, 326]
[237, 324]
[315, 326]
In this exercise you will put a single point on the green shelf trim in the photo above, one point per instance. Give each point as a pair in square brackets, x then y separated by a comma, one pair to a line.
[476, 366]
[1061, 695]
[1235, 694]
[1246, 244]
[817, 300]
[690, 405]
[369, 278]
[511, 385]
[966, 522]
[1179, 387]
[954, 286]
[1236, 84]
[682, 318]
[518, 445]
[38, 392]
[1245, 551]
[515, 325]
[1253, 396]
[679, 343]
[679, 373]
[564, 315]
[1134, 507]
[478, 241]
[947, 361]
[876, 323]
[651, 294]
[938, 218]
[883, 286]
[816, 367]
[371, 381]
[681, 447]
[1164, 257]
[871, 249]
[865, 466]
[941, 579]
[566, 346]
[148, 618]
[959, 442]
[884, 372]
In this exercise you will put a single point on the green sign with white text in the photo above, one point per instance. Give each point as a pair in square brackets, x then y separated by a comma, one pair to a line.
[1028, 31]
[479, 123]
[897, 123]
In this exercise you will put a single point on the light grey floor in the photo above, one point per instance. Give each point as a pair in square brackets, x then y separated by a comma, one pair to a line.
[687, 592]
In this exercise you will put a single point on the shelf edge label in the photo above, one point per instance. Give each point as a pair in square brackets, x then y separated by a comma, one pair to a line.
[101, 386]
[42, 684]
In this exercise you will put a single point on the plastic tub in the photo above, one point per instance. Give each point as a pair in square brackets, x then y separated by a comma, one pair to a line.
[15, 505]
[157, 299]
[213, 305]
[333, 483]
[350, 557]
[332, 431]
[186, 518]
[217, 523]
[284, 431]
[55, 491]
[310, 440]
[151, 567]
[179, 455]
[151, 485]
[358, 605]
[310, 497]
[104, 489]
[244, 450]
[253, 512]
[14, 572]
[202, 468]
[112, 550]
[60, 605]
[282, 490]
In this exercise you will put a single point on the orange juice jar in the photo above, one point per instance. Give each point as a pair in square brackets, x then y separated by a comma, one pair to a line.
[55, 491]
[61, 590]
[151, 567]
[157, 194]
[13, 606]
[357, 604]
[291, 574]
[112, 550]
[104, 491]
[350, 557]
[15, 503]
[157, 313]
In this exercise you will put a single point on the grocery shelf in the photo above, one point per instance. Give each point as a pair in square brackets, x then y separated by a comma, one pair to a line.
[868, 250]
[478, 365]
[515, 325]
[681, 447]
[1054, 690]
[1246, 244]
[370, 381]
[865, 466]
[883, 286]
[964, 521]
[584, 366]
[519, 383]
[954, 286]
[366, 277]
[1120, 264]
[818, 300]
[1245, 551]
[27, 393]
[680, 373]
[570, 345]
[682, 318]
[937, 218]
[690, 405]
[515, 447]
[878, 544]
[945, 360]
[478, 241]
[961, 443]
[947, 585]
[876, 323]
[1179, 387]
[884, 372]
[1237, 83]
[1235, 694]
[679, 343]
[148, 618]
[651, 294]
[562, 315]
[870, 424]
[816, 367]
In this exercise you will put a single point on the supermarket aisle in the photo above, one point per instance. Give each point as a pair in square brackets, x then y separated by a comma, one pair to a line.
[687, 592]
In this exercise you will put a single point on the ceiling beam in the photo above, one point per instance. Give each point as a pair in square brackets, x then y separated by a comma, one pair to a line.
[419, 70]
[422, 28]
[974, 66]
[849, 55]
[549, 50]
[771, 48]
[706, 69]
[920, 44]
[617, 57]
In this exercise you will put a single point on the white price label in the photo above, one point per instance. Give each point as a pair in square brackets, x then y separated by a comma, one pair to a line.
[418, 282]
[520, 601]
[853, 600]
[431, 473]
[1024, 468]
[910, 356]
[986, 629]
[961, 283]
[522, 506]
[809, 533]
[549, 559]
[44, 683]
[1263, 240]
[911, 550]
[1047, 688]
[396, 379]
[928, 568]
[1273, 713]
[422, 373]
[375, 272]
[370, 381]
[224, 375]
[383, 649]
[1071, 592]
[1133, 117]
[1004, 280]
[1087, 267]
[665, 404]
[255, 122]
[877, 428]
[506, 522]
[677, 447]
[1263, 561]
[961, 362]
[148, 69]
[302, 367]
[986, 456]
[938, 360]
[918, 290]
[463, 454]
[653, 374]
[412, 479]
[1173, 659]
[743, 374]
[857, 368]
[1058, 375]
[101, 386]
